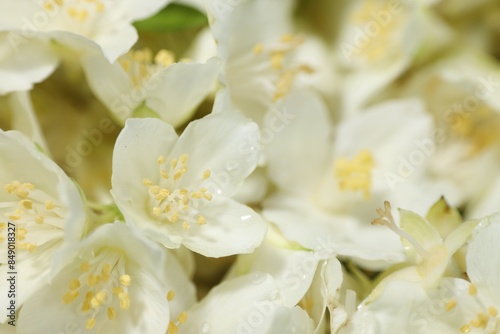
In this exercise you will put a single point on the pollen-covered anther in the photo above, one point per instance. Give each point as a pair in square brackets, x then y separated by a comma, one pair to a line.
[450, 305]
[173, 327]
[355, 174]
[170, 203]
[141, 64]
[125, 280]
[258, 48]
[170, 295]
[472, 290]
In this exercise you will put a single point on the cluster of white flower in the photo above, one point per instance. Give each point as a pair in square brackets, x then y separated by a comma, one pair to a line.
[249, 166]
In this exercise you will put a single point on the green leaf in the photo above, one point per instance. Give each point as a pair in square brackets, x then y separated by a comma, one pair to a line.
[173, 17]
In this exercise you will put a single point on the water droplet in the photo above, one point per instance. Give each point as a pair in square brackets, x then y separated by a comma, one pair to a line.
[258, 278]
[246, 217]
[205, 327]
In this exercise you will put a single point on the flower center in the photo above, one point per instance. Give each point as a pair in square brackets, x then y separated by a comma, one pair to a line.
[141, 64]
[170, 203]
[355, 174]
[480, 128]
[78, 10]
[100, 287]
[378, 36]
[487, 319]
[277, 55]
[37, 215]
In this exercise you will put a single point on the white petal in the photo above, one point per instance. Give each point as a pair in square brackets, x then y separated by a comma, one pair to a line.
[225, 143]
[137, 148]
[180, 88]
[298, 131]
[111, 85]
[483, 257]
[291, 320]
[24, 62]
[223, 309]
[227, 221]
[293, 270]
[24, 118]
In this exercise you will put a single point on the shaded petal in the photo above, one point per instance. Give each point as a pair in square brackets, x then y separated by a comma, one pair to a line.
[483, 257]
[300, 146]
[24, 62]
[180, 88]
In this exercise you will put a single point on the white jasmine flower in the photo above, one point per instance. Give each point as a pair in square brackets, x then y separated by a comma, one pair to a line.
[178, 190]
[326, 191]
[43, 206]
[141, 83]
[114, 281]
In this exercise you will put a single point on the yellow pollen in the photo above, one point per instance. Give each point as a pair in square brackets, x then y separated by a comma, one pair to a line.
[164, 174]
[106, 268]
[31, 247]
[86, 307]
[450, 305]
[472, 290]
[93, 280]
[277, 60]
[172, 328]
[492, 311]
[206, 175]
[185, 225]
[258, 48]
[48, 6]
[26, 204]
[84, 267]
[98, 299]
[173, 163]
[117, 290]
[124, 300]
[465, 328]
[39, 220]
[184, 158]
[125, 280]
[147, 182]
[74, 284]
[178, 175]
[164, 58]
[208, 197]
[287, 38]
[49, 205]
[355, 174]
[175, 217]
[157, 211]
[170, 295]
[99, 7]
[111, 313]
[201, 220]
[29, 186]
[59, 2]
[90, 323]
[160, 160]
[182, 318]
[70, 296]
